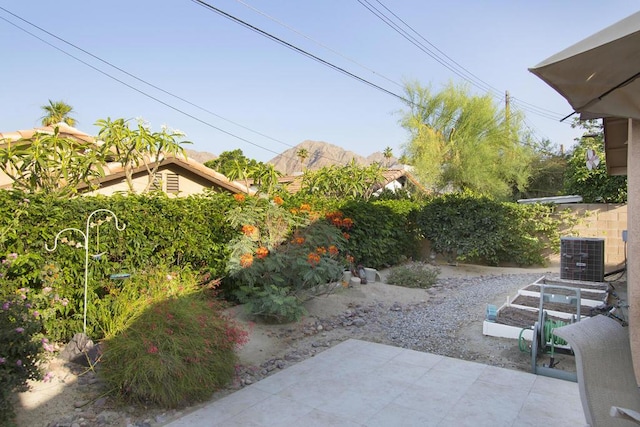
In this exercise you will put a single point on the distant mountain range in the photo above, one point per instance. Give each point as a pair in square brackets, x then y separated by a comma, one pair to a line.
[320, 153]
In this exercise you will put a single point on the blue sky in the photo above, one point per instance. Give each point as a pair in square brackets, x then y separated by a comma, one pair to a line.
[267, 98]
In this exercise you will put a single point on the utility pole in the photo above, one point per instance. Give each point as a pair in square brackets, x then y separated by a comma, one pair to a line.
[507, 113]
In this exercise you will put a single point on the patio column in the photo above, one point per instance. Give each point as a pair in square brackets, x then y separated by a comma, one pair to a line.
[633, 241]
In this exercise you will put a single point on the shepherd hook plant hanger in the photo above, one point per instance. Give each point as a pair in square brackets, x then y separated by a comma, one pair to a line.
[85, 246]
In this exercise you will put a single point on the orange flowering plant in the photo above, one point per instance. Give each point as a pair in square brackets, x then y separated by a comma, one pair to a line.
[295, 255]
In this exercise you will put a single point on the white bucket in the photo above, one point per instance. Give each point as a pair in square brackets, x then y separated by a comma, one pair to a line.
[371, 274]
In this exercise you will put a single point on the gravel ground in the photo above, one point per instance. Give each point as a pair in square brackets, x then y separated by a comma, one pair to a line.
[445, 319]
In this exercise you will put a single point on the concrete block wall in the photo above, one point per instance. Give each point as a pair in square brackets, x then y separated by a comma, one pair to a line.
[605, 221]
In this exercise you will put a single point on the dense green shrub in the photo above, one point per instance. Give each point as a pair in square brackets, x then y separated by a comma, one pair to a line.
[178, 351]
[159, 231]
[477, 228]
[414, 275]
[21, 343]
[383, 233]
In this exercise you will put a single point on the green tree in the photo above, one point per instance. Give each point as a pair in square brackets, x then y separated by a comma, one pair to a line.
[237, 167]
[265, 177]
[547, 172]
[133, 147]
[463, 142]
[350, 180]
[594, 185]
[50, 163]
[232, 163]
[57, 112]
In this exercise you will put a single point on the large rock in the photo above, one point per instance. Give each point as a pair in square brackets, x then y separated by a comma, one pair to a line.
[80, 350]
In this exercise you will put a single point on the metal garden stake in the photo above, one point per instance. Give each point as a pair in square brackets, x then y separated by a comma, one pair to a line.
[85, 246]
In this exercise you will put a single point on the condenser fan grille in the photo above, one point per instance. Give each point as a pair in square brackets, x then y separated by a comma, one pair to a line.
[582, 259]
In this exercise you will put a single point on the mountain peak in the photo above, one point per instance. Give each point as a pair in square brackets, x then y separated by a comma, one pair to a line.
[322, 154]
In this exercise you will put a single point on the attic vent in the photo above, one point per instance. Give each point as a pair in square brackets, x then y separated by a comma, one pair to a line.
[173, 183]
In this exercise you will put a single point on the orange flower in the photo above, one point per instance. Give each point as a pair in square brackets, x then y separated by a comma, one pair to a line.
[347, 223]
[298, 240]
[295, 211]
[332, 216]
[321, 250]
[305, 207]
[346, 235]
[262, 252]
[248, 230]
[278, 200]
[350, 259]
[333, 250]
[239, 197]
[246, 260]
[313, 259]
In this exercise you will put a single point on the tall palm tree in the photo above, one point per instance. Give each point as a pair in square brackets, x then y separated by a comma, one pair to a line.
[302, 154]
[388, 154]
[57, 112]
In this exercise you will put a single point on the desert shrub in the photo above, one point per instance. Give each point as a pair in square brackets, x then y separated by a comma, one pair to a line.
[414, 275]
[21, 348]
[280, 259]
[120, 303]
[383, 232]
[177, 351]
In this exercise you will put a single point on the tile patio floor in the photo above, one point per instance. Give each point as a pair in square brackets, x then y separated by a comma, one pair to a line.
[358, 383]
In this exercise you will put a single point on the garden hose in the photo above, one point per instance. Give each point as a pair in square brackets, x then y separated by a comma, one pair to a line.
[547, 335]
[521, 342]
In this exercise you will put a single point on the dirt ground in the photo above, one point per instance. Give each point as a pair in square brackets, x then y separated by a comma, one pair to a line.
[53, 400]
[270, 341]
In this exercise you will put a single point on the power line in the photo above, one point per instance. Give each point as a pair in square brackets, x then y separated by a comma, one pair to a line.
[136, 89]
[138, 78]
[318, 43]
[487, 87]
[398, 29]
[447, 61]
[493, 89]
[296, 49]
[145, 82]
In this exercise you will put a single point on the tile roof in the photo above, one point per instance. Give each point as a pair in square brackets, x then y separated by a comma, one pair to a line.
[64, 130]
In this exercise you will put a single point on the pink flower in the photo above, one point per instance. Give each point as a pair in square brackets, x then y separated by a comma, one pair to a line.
[36, 313]
[5, 306]
[2, 360]
[47, 289]
[48, 377]
[18, 362]
[47, 346]
[19, 330]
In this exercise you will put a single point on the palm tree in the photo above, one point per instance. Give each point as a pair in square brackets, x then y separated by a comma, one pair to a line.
[388, 154]
[302, 154]
[57, 112]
